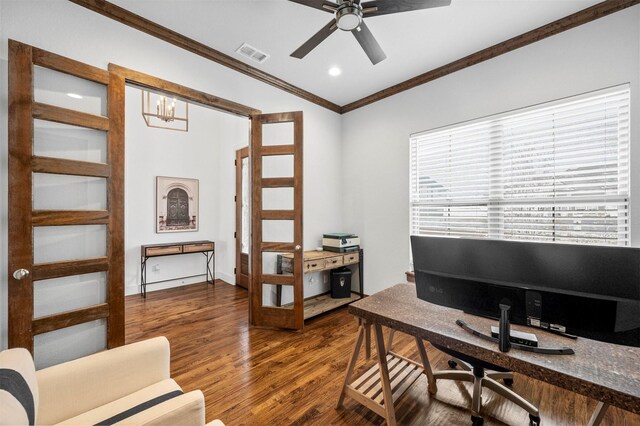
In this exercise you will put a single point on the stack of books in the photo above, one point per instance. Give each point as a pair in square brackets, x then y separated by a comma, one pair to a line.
[340, 242]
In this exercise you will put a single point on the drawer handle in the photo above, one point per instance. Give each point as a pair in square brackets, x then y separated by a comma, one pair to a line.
[333, 261]
[313, 265]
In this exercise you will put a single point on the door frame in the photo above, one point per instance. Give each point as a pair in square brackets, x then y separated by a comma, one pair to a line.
[254, 115]
[241, 279]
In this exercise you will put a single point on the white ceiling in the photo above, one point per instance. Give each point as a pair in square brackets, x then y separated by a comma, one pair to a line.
[414, 42]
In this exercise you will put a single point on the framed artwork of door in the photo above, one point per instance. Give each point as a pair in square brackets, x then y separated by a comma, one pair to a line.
[177, 201]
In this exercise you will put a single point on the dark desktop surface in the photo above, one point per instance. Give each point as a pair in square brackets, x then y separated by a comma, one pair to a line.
[599, 370]
[590, 291]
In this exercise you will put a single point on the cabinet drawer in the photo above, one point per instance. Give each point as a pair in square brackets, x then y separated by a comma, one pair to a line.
[159, 251]
[190, 248]
[333, 262]
[351, 258]
[313, 265]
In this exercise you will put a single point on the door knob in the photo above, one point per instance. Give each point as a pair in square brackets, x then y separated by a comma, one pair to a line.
[19, 274]
[297, 248]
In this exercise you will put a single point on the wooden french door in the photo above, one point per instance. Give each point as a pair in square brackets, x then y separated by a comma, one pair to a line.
[242, 218]
[66, 205]
[276, 211]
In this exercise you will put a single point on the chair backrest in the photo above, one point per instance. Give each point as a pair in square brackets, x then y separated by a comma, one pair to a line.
[18, 388]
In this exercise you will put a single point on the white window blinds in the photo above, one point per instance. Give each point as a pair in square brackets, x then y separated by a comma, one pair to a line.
[553, 172]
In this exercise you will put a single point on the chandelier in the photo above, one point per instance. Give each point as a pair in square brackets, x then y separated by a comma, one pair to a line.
[162, 112]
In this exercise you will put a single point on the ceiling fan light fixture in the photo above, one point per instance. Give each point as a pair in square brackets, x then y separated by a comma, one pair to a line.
[349, 17]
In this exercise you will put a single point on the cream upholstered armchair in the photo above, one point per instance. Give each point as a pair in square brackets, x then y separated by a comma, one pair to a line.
[125, 385]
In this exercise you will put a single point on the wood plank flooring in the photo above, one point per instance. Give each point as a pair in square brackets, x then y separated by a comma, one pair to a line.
[253, 376]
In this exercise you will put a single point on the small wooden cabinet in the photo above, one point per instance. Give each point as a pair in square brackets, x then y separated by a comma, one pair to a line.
[317, 261]
[154, 250]
[314, 261]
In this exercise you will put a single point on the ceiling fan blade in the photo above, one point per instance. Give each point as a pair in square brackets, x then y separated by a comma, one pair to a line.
[386, 7]
[324, 5]
[369, 43]
[315, 40]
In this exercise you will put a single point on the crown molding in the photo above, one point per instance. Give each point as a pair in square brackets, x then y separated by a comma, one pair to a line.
[582, 17]
[132, 20]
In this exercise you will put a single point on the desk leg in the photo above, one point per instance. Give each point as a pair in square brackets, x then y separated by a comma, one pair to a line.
[367, 336]
[352, 363]
[433, 388]
[143, 277]
[390, 339]
[279, 287]
[384, 377]
[598, 414]
[367, 340]
[211, 271]
[361, 274]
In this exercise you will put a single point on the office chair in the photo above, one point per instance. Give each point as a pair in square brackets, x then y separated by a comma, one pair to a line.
[474, 370]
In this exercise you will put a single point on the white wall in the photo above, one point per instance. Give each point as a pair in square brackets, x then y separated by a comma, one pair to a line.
[70, 30]
[196, 154]
[600, 54]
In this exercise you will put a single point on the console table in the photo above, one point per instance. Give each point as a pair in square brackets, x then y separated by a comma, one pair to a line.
[170, 249]
[599, 370]
[318, 261]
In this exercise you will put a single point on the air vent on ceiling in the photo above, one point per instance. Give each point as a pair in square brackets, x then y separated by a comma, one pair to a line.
[252, 53]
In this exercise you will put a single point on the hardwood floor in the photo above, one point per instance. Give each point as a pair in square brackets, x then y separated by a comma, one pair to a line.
[253, 376]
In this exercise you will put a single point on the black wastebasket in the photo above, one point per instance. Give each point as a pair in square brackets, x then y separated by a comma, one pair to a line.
[340, 283]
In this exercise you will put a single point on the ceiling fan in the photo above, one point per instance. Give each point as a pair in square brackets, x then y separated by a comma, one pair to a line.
[349, 16]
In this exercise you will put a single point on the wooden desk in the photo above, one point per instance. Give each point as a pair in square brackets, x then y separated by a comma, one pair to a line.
[602, 371]
[169, 249]
[318, 261]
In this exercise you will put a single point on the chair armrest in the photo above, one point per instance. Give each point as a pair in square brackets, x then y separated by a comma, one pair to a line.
[184, 410]
[74, 387]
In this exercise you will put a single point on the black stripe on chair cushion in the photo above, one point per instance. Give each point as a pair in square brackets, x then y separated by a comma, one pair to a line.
[139, 408]
[13, 382]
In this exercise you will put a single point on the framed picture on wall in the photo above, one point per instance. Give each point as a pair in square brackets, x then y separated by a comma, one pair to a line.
[176, 204]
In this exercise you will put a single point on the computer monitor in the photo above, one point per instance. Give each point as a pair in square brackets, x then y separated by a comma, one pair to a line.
[589, 291]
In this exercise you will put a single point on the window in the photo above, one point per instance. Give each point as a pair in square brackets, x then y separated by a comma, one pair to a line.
[553, 172]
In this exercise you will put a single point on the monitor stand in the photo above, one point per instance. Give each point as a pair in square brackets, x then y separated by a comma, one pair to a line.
[536, 349]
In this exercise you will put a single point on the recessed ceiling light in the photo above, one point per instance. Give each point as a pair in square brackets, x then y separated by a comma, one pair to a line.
[335, 71]
[74, 95]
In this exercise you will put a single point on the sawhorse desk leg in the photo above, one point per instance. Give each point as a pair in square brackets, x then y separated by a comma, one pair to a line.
[352, 364]
[367, 336]
[373, 389]
[426, 365]
[384, 376]
[386, 408]
[598, 414]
